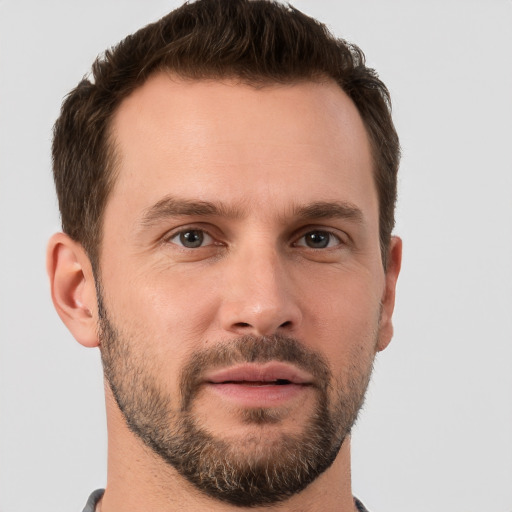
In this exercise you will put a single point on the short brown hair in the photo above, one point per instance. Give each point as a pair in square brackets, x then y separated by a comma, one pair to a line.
[257, 42]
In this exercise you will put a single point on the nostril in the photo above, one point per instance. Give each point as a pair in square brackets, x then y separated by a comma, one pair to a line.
[263, 325]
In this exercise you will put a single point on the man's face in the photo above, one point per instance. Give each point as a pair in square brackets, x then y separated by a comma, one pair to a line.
[242, 285]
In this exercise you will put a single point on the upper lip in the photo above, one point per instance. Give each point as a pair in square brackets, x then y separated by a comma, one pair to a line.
[254, 372]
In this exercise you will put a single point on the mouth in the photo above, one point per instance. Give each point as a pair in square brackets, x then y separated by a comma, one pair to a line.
[274, 373]
[256, 385]
[277, 382]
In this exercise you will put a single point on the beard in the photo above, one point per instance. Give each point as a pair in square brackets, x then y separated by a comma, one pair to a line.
[258, 469]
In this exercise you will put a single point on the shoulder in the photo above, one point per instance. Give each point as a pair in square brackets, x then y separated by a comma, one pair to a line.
[90, 506]
[360, 507]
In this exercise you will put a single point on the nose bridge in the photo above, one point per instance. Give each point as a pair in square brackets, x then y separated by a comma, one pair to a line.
[260, 299]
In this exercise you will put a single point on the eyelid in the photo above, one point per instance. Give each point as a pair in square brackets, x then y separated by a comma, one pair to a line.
[329, 245]
[342, 237]
[170, 235]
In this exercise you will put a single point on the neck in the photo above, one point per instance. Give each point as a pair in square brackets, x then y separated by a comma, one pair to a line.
[137, 479]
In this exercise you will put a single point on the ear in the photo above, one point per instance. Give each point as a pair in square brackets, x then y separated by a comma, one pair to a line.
[388, 297]
[72, 288]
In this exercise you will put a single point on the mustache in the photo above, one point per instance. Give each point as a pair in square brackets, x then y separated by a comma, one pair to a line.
[251, 349]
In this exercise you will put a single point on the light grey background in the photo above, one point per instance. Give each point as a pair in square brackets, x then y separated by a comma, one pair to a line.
[436, 432]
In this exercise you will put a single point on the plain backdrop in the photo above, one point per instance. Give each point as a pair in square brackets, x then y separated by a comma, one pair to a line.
[436, 431]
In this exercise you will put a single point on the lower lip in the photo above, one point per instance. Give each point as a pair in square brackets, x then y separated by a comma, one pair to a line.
[247, 395]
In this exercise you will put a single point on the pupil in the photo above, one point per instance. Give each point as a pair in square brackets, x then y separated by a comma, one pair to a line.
[317, 239]
[191, 238]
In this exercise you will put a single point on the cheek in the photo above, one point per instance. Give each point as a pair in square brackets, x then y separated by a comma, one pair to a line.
[169, 312]
[161, 326]
[342, 317]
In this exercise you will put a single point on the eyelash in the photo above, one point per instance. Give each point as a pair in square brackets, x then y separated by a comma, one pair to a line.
[331, 236]
[190, 230]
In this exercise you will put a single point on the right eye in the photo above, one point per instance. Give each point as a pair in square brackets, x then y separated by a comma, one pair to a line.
[192, 238]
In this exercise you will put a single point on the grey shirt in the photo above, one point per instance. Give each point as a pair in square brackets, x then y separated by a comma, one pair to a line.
[90, 506]
[98, 493]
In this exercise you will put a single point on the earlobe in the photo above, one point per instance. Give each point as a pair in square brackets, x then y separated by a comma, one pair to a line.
[394, 263]
[72, 288]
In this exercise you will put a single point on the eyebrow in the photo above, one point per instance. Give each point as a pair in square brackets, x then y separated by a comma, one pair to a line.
[331, 210]
[170, 206]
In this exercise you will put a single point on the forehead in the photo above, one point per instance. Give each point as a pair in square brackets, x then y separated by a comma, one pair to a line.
[238, 143]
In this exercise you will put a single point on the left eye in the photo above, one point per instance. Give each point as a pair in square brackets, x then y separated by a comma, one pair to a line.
[318, 240]
[192, 238]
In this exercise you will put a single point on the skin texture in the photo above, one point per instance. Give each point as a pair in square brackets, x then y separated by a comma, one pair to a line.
[282, 165]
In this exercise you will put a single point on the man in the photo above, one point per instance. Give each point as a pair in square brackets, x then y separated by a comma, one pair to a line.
[227, 183]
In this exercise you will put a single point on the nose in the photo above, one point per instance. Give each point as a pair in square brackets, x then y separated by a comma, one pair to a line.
[260, 297]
